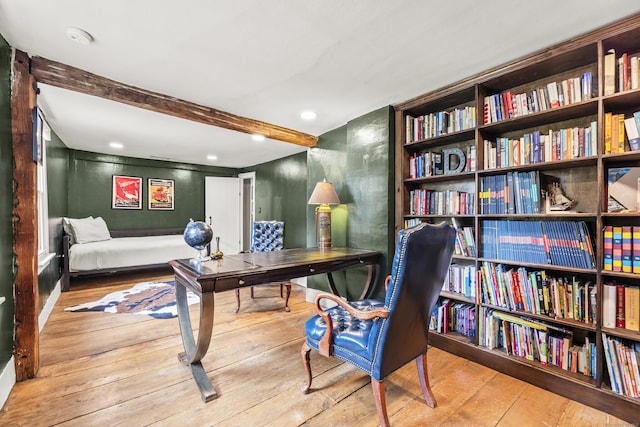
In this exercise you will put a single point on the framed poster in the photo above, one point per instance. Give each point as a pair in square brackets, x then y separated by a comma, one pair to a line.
[126, 192]
[161, 194]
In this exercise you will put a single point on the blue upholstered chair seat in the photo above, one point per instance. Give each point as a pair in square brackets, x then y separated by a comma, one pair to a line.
[350, 334]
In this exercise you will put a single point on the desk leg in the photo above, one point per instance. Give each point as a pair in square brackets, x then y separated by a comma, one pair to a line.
[332, 284]
[371, 278]
[194, 352]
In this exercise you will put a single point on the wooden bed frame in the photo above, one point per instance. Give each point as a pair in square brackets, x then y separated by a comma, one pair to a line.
[65, 280]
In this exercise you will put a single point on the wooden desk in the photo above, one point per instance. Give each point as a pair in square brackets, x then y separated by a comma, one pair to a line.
[248, 269]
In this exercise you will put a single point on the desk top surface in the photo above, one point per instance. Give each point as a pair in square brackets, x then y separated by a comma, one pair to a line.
[256, 262]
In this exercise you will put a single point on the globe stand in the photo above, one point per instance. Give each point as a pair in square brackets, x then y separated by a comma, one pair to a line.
[199, 258]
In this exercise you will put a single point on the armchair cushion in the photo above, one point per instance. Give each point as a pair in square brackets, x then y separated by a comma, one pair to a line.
[350, 335]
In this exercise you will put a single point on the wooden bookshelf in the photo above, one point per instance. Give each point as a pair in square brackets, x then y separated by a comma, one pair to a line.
[576, 65]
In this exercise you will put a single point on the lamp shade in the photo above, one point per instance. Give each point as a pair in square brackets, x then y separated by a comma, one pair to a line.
[323, 193]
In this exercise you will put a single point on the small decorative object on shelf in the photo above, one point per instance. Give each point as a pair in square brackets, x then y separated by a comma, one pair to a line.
[558, 201]
[218, 254]
[198, 235]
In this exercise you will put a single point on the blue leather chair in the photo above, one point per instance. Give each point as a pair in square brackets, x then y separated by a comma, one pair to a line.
[379, 337]
[267, 236]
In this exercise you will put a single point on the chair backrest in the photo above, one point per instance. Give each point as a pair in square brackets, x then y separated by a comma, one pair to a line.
[267, 236]
[420, 265]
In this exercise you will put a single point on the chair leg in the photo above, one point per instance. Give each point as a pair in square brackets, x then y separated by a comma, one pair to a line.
[306, 360]
[286, 300]
[381, 401]
[421, 363]
[252, 292]
[237, 301]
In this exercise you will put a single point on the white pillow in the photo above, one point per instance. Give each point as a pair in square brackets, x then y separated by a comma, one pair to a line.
[88, 230]
[66, 225]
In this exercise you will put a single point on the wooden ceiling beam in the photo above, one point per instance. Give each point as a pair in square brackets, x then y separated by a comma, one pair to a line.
[68, 77]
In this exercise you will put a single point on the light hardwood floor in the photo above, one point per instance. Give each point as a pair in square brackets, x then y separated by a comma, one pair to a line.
[102, 369]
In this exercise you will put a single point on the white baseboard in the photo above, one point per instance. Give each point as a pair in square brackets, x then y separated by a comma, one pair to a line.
[8, 375]
[48, 306]
[7, 381]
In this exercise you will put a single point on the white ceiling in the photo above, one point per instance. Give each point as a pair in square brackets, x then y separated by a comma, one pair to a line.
[270, 60]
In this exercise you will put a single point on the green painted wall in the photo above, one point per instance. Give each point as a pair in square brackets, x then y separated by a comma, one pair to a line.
[281, 194]
[358, 159]
[7, 272]
[90, 181]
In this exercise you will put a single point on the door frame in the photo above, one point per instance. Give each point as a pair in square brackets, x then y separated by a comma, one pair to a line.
[249, 216]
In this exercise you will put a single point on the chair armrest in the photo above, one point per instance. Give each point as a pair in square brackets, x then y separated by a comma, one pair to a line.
[325, 342]
[386, 282]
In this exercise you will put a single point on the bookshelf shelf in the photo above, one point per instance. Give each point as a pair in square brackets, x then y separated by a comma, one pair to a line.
[515, 104]
[437, 141]
[622, 333]
[458, 297]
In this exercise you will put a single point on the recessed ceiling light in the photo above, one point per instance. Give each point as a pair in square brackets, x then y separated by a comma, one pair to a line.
[308, 115]
[257, 137]
[116, 145]
[79, 36]
[212, 157]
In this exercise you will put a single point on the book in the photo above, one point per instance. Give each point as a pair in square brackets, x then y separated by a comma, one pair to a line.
[635, 248]
[609, 305]
[620, 300]
[633, 135]
[608, 118]
[608, 248]
[610, 72]
[632, 308]
[617, 248]
[627, 249]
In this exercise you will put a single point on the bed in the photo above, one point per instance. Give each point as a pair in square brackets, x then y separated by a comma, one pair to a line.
[90, 248]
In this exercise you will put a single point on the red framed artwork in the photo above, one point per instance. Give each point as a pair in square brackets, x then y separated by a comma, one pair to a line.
[126, 192]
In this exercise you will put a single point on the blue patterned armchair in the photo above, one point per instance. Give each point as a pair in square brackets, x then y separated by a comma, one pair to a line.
[379, 337]
[267, 236]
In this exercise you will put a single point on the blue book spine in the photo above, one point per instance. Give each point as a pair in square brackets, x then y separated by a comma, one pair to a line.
[536, 147]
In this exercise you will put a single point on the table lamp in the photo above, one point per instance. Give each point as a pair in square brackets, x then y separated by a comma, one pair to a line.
[323, 195]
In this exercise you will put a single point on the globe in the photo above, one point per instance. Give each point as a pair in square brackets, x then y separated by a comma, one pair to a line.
[198, 234]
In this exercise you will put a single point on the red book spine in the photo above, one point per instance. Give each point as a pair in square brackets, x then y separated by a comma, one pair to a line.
[619, 306]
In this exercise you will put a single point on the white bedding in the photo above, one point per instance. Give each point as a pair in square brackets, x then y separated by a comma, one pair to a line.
[128, 252]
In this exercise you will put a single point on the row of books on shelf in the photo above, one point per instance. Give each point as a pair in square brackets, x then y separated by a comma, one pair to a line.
[450, 316]
[616, 127]
[465, 240]
[450, 160]
[510, 193]
[508, 105]
[621, 306]
[547, 344]
[538, 147]
[439, 123]
[448, 202]
[461, 279]
[536, 292]
[621, 73]
[560, 243]
[621, 248]
[622, 358]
